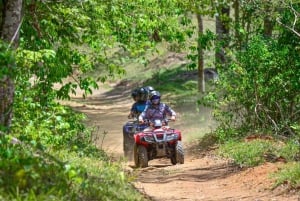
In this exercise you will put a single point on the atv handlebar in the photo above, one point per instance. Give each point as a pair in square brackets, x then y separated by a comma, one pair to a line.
[149, 122]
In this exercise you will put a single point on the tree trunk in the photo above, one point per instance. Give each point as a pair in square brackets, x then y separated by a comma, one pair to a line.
[11, 20]
[268, 27]
[201, 81]
[268, 22]
[237, 25]
[222, 31]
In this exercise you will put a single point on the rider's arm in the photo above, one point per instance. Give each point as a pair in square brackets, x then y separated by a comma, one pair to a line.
[170, 112]
[142, 117]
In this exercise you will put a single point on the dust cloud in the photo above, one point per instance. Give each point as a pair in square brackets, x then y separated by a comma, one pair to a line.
[194, 120]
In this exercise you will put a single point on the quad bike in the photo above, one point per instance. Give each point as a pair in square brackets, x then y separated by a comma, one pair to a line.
[129, 129]
[157, 141]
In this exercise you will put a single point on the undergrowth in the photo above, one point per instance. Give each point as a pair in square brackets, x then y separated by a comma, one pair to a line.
[49, 155]
[258, 151]
[289, 174]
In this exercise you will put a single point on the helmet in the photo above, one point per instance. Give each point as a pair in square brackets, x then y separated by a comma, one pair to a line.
[155, 97]
[149, 89]
[134, 94]
[142, 94]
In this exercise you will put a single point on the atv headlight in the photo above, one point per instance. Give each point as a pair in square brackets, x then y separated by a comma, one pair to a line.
[149, 138]
[172, 137]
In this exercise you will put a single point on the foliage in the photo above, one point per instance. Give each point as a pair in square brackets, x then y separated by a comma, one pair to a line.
[206, 40]
[59, 43]
[174, 80]
[28, 173]
[289, 174]
[51, 125]
[257, 151]
[35, 169]
[46, 159]
[23, 172]
[7, 60]
[289, 150]
[81, 36]
[246, 153]
[258, 87]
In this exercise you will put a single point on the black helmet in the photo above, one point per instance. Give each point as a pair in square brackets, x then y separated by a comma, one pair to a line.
[142, 94]
[155, 97]
[134, 94]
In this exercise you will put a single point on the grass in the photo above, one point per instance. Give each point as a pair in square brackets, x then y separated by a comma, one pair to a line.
[289, 174]
[257, 151]
[246, 154]
[32, 175]
[105, 180]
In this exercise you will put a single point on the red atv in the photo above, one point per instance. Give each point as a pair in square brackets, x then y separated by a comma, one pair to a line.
[158, 141]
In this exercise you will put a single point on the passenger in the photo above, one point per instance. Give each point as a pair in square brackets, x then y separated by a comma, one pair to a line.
[134, 94]
[139, 106]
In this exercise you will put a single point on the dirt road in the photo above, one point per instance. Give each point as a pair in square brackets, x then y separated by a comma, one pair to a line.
[202, 177]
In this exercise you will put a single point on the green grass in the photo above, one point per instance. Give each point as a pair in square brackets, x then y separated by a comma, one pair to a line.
[289, 174]
[258, 151]
[246, 154]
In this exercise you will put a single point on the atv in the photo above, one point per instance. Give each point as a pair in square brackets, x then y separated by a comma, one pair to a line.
[129, 129]
[157, 141]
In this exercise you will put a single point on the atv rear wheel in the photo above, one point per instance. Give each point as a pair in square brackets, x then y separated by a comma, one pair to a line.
[141, 159]
[128, 142]
[135, 155]
[179, 153]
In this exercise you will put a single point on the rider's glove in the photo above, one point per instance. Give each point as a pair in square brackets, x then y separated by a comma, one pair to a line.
[173, 118]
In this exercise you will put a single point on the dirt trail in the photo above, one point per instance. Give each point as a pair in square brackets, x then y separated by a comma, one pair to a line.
[202, 177]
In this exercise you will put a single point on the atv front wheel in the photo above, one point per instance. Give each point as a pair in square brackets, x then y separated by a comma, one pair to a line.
[179, 153]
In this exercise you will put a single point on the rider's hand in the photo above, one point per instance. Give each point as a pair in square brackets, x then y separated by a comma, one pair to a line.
[173, 118]
[130, 116]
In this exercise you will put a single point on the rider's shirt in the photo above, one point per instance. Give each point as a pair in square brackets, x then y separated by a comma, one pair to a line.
[153, 112]
[138, 107]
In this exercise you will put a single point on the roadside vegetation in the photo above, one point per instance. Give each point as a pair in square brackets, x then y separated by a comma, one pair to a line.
[215, 125]
[46, 151]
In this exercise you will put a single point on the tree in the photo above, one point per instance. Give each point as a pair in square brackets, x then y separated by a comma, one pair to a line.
[203, 40]
[201, 81]
[222, 32]
[11, 23]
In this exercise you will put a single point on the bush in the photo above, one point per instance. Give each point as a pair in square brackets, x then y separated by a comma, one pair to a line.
[259, 89]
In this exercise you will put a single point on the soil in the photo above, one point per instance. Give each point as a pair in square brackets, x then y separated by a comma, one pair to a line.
[203, 176]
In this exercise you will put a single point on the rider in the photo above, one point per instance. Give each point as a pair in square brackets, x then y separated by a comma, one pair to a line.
[156, 110]
[140, 104]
